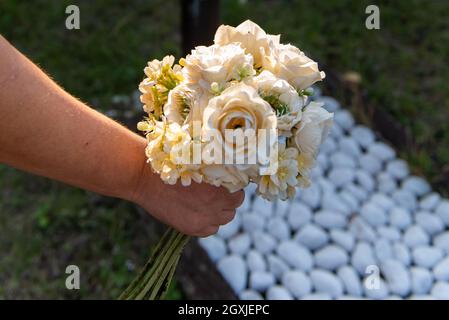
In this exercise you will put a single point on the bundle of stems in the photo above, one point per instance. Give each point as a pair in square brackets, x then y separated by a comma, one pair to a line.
[155, 277]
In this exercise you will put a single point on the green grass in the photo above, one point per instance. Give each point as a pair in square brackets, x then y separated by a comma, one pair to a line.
[45, 226]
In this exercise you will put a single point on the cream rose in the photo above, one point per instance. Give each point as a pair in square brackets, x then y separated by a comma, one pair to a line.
[238, 108]
[217, 65]
[313, 128]
[283, 98]
[289, 63]
[250, 36]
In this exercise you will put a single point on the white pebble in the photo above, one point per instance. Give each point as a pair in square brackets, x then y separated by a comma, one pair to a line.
[382, 151]
[331, 257]
[351, 280]
[385, 183]
[415, 236]
[325, 185]
[400, 218]
[278, 293]
[416, 185]
[373, 214]
[252, 222]
[440, 291]
[299, 215]
[349, 199]
[430, 223]
[261, 281]
[329, 145]
[247, 202]
[343, 238]
[342, 160]
[365, 180]
[344, 119]
[278, 228]
[405, 199]
[341, 176]
[250, 295]
[323, 161]
[295, 255]
[383, 250]
[336, 131]
[311, 196]
[398, 168]
[297, 283]
[262, 207]
[389, 233]
[233, 269]
[402, 253]
[426, 256]
[430, 201]
[329, 219]
[441, 270]
[326, 282]
[240, 244]
[350, 147]
[442, 241]
[382, 201]
[362, 230]
[332, 202]
[214, 246]
[277, 266]
[255, 261]
[370, 163]
[231, 228]
[421, 280]
[312, 236]
[363, 135]
[356, 191]
[397, 277]
[362, 257]
[330, 104]
[442, 211]
[263, 242]
[283, 207]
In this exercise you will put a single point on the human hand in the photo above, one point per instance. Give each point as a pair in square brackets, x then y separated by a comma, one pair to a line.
[196, 210]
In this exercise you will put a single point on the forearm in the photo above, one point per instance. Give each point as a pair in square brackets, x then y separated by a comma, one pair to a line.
[46, 131]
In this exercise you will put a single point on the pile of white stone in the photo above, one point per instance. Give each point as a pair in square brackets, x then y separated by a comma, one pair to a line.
[366, 228]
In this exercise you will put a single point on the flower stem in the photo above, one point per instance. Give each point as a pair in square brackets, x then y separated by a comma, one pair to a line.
[155, 277]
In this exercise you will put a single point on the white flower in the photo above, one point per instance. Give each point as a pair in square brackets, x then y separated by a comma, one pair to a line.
[162, 77]
[288, 62]
[238, 108]
[227, 176]
[283, 98]
[282, 184]
[313, 128]
[217, 65]
[250, 36]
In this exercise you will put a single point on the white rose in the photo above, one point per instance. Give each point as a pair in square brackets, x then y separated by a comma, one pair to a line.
[250, 36]
[288, 62]
[238, 108]
[217, 64]
[227, 176]
[284, 99]
[313, 128]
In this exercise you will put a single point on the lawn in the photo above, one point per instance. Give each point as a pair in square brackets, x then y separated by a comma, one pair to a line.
[44, 225]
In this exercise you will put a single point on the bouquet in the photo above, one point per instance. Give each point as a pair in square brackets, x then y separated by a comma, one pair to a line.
[229, 114]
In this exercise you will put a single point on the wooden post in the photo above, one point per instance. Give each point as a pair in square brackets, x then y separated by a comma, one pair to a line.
[199, 21]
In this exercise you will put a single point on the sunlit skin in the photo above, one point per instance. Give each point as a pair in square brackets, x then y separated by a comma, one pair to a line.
[48, 132]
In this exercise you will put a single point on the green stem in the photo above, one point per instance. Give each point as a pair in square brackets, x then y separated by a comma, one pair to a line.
[155, 277]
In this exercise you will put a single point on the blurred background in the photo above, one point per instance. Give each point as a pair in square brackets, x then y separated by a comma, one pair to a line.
[401, 71]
